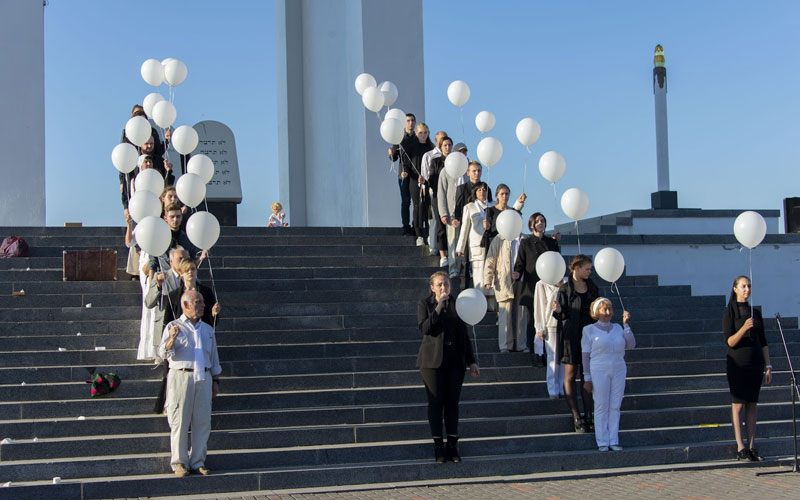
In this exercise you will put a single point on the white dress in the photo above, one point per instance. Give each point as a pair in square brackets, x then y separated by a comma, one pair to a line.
[147, 335]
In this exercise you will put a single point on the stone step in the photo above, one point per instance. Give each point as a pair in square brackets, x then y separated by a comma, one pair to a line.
[497, 391]
[253, 437]
[91, 231]
[471, 449]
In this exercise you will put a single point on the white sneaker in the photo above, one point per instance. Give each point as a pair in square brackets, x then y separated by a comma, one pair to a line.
[443, 262]
[419, 241]
[602, 448]
[615, 447]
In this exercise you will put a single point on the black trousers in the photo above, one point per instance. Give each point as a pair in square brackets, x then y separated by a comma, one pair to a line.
[420, 211]
[443, 387]
[405, 200]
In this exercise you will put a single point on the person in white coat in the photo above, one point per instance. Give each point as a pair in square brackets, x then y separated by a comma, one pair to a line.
[472, 232]
[546, 328]
[603, 347]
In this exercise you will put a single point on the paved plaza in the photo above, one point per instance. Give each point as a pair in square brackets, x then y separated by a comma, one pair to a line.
[725, 481]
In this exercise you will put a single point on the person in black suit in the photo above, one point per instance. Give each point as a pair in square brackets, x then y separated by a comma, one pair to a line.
[525, 271]
[444, 355]
[747, 363]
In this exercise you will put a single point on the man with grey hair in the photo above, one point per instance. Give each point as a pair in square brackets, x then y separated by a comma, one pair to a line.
[189, 345]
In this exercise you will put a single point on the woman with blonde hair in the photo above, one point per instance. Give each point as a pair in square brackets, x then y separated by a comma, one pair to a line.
[603, 349]
[444, 355]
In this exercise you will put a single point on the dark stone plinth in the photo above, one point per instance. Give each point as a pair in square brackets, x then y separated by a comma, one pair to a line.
[225, 212]
[664, 200]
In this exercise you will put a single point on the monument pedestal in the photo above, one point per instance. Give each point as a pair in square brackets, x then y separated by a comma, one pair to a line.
[664, 200]
[224, 211]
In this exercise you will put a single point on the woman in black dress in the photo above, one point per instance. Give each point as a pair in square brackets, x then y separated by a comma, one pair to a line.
[747, 363]
[571, 309]
[444, 355]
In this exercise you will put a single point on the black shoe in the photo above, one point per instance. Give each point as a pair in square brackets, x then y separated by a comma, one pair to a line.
[538, 360]
[753, 455]
[743, 454]
[451, 451]
[438, 450]
[588, 424]
[407, 231]
[580, 427]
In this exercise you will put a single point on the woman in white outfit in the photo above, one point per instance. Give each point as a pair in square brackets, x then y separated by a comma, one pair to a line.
[546, 327]
[472, 232]
[603, 346]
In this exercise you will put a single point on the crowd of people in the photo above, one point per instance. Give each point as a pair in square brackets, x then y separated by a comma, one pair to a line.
[179, 313]
[566, 327]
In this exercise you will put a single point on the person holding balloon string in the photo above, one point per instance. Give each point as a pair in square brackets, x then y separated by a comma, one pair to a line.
[469, 241]
[444, 355]
[603, 346]
[572, 311]
[525, 272]
[414, 146]
[455, 166]
[425, 173]
[404, 175]
[436, 169]
[503, 193]
[498, 275]
[747, 364]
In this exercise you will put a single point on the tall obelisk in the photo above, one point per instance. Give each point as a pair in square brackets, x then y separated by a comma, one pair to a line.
[663, 198]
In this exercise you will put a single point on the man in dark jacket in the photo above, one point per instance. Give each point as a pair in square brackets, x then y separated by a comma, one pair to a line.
[405, 175]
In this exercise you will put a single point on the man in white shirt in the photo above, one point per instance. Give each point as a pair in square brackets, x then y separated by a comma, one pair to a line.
[190, 347]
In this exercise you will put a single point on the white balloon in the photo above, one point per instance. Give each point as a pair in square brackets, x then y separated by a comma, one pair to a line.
[397, 114]
[175, 72]
[458, 93]
[389, 91]
[202, 166]
[153, 235]
[552, 166]
[124, 157]
[365, 81]
[149, 180]
[185, 139]
[485, 121]
[550, 267]
[455, 165]
[750, 228]
[372, 99]
[471, 306]
[574, 203]
[167, 60]
[392, 131]
[138, 130]
[144, 204]
[202, 228]
[149, 101]
[609, 264]
[528, 131]
[164, 114]
[509, 224]
[140, 160]
[152, 72]
[191, 189]
[490, 150]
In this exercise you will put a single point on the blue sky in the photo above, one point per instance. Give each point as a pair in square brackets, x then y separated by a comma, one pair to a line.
[582, 69]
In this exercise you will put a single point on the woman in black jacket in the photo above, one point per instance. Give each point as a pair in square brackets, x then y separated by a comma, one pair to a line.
[747, 363]
[530, 249]
[444, 355]
[571, 309]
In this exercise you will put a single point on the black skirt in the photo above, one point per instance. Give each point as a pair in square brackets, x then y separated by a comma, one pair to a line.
[744, 381]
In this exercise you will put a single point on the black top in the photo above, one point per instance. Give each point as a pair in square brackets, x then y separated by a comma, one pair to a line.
[411, 156]
[575, 313]
[446, 325]
[529, 251]
[437, 165]
[748, 352]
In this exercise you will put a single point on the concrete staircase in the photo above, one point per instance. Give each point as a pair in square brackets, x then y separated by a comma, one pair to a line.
[318, 341]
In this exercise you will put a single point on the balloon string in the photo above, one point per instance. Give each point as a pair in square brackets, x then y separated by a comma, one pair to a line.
[211, 271]
[461, 119]
[578, 234]
[615, 286]
[475, 339]
[750, 269]
[524, 174]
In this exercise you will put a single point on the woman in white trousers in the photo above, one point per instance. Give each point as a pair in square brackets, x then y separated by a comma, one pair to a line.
[603, 347]
[546, 327]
